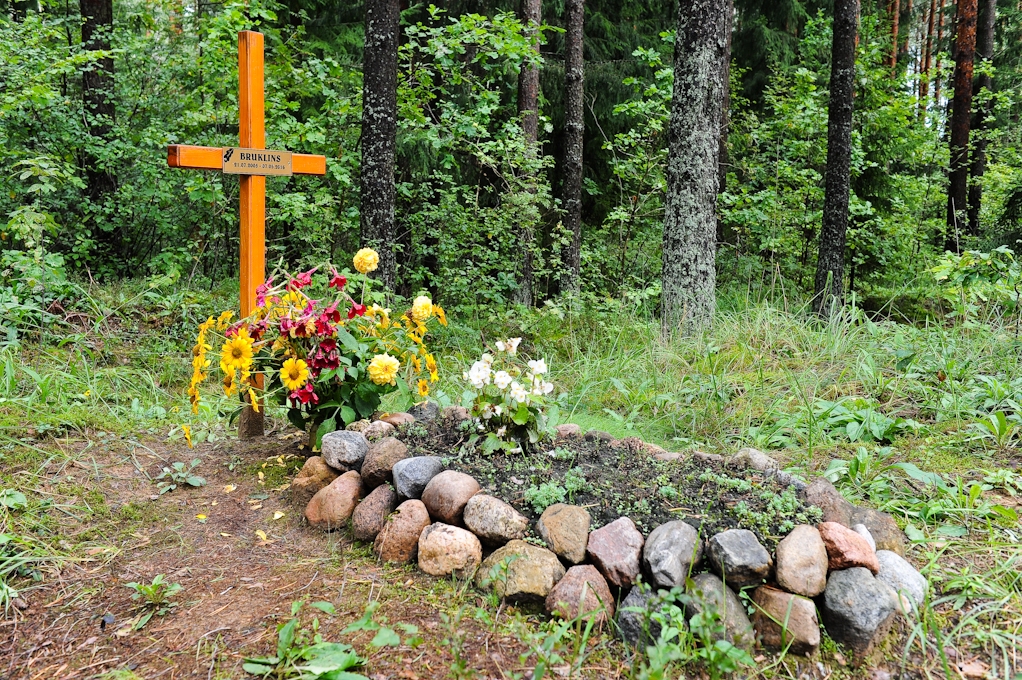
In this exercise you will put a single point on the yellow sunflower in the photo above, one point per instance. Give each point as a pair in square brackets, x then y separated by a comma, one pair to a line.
[237, 351]
[431, 366]
[423, 388]
[293, 374]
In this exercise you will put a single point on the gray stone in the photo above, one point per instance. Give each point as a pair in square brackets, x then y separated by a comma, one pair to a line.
[616, 550]
[344, 449]
[707, 459]
[359, 425]
[425, 412]
[446, 550]
[802, 562]
[520, 571]
[378, 429]
[710, 594]
[494, 521]
[411, 475]
[864, 532]
[598, 436]
[455, 415]
[905, 579]
[753, 459]
[634, 616]
[882, 526]
[565, 529]
[788, 479]
[858, 609]
[671, 552]
[738, 556]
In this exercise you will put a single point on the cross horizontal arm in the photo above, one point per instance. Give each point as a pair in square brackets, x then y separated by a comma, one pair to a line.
[212, 158]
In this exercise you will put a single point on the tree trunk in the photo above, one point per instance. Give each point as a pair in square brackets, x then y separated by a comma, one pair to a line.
[98, 89]
[961, 111]
[528, 111]
[986, 21]
[830, 268]
[924, 82]
[894, 9]
[379, 133]
[940, 51]
[574, 128]
[697, 113]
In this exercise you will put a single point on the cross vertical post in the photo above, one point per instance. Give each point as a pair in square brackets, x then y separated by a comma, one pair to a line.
[251, 196]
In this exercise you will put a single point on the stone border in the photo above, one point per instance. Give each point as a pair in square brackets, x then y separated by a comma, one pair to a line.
[850, 568]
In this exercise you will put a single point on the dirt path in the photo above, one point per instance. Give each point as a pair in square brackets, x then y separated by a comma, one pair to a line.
[237, 586]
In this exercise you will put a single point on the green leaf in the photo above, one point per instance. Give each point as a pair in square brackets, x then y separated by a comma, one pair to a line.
[195, 480]
[255, 668]
[15, 500]
[348, 415]
[328, 425]
[522, 415]
[286, 638]
[347, 339]
[325, 607]
[914, 534]
[385, 637]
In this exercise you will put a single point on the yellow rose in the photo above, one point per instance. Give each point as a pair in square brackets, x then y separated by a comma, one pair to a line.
[422, 308]
[367, 260]
[383, 369]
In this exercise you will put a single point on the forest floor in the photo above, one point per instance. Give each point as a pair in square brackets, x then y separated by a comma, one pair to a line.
[89, 419]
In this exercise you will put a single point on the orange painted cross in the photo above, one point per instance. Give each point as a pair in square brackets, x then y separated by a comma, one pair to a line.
[252, 161]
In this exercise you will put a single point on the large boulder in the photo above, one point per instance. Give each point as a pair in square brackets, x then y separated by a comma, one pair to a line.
[786, 621]
[446, 550]
[738, 556]
[313, 476]
[905, 579]
[520, 571]
[344, 449]
[332, 505]
[616, 550]
[447, 494]
[857, 609]
[370, 516]
[565, 529]
[494, 521]
[635, 622]
[581, 584]
[709, 594]
[802, 562]
[671, 552]
[380, 460]
[847, 549]
[399, 539]
[411, 475]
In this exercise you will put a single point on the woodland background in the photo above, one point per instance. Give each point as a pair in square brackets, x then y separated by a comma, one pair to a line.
[90, 196]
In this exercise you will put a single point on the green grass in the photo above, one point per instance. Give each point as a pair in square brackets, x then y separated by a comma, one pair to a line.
[763, 376]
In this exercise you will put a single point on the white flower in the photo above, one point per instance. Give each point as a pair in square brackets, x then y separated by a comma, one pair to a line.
[498, 409]
[502, 379]
[501, 346]
[548, 387]
[512, 345]
[486, 359]
[487, 411]
[538, 366]
[518, 393]
[479, 375]
[501, 430]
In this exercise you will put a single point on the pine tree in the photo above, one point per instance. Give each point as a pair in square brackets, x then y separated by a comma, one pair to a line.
[830, 267]
[98, 89]
[701, 57]
[528, 110]
[379, 133]
[574, 132]
[961, 112]
[986, 23]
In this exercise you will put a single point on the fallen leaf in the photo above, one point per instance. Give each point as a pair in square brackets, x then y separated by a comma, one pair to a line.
[229, 488]
[256, 507]
[225, 534]
[278, 514]
[264, 540]
[215, 503]
[974, 669]
[200, 517]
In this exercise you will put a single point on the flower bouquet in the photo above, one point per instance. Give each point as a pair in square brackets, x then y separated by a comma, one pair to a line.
[330, 359]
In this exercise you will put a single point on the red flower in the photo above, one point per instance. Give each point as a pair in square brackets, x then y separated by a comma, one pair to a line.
[337, 281]
[302, 280]
[331, 313]
[356, 310]
[328, 345]
[287, 325]
[304, 395]
[261, 292]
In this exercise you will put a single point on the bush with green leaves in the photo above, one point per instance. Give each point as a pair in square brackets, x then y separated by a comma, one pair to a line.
[179, 475]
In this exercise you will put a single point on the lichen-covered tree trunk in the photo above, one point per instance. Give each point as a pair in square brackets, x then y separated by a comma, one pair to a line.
[528, 111]
[98, 90]
[379, 133]
[701, 56]
[986, 22]
[574, 128]
[961, 114]
[830, 267]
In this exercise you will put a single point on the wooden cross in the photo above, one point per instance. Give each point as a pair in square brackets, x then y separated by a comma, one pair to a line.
[253, 167]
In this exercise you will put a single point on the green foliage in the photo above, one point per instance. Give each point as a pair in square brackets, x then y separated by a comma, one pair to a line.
[154, 599]
[975, 282]
[303, 654]
[178, 474]
[546, 494]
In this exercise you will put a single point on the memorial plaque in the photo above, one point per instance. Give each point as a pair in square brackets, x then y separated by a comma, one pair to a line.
[257, 162]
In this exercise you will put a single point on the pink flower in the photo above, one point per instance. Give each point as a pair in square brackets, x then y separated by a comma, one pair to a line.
[336, 280]
[302, 280]
[261, 292]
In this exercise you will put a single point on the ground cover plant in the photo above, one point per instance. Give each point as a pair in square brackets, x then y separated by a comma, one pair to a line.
[93, 410]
